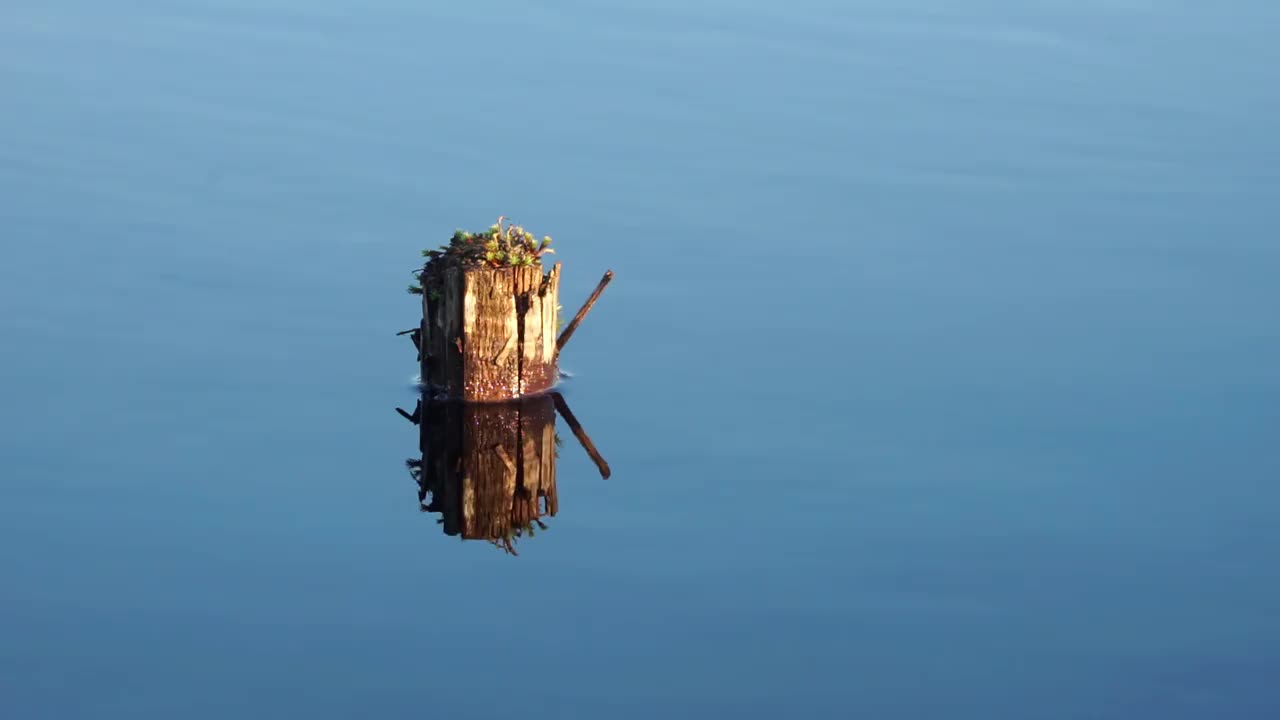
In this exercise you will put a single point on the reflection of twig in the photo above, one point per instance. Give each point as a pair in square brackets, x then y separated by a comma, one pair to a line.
[415, 417]
[582, 313]
[581, 434]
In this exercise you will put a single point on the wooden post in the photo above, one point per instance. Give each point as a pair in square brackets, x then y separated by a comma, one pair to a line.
[488, 333]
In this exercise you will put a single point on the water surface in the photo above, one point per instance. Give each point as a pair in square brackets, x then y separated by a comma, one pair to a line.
[940, 377]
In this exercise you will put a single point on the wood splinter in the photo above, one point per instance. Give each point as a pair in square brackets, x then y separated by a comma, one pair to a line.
[582, 313]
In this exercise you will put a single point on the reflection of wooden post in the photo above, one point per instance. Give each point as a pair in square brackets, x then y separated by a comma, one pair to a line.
[490, 467]
[537, 461]
[488, 333]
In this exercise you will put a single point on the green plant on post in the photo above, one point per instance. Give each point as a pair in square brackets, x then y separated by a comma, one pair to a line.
[502, 245]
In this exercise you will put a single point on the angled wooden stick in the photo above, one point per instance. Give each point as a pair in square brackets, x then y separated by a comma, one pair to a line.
[581, 434]
[586, 308]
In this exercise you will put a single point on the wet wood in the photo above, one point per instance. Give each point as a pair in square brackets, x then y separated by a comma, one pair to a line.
[490, 372]
[488, 333]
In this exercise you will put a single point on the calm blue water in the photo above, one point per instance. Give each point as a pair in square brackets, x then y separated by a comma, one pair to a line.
[940, 378]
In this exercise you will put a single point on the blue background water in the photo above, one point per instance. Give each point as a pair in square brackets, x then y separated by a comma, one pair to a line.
[940, 377]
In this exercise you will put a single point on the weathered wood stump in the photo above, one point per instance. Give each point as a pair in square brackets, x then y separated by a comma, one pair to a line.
[489, 468]
[488, 333]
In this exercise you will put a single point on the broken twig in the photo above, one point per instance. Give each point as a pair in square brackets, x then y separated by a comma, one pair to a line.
[582, 313]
